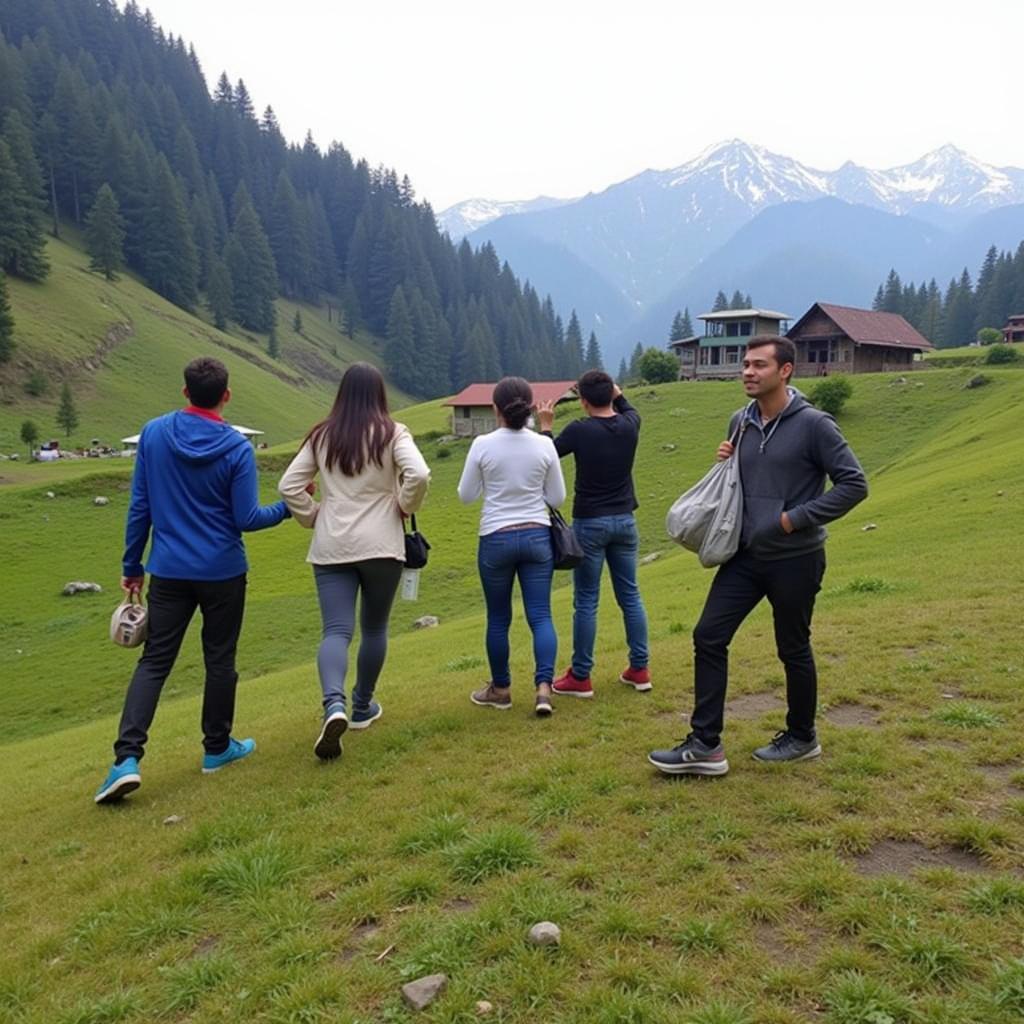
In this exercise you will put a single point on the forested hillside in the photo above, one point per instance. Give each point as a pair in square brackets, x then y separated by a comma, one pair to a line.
[955, 317]
[209, 203]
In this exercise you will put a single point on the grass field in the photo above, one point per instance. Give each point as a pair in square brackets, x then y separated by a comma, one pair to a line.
[881, 885]
[122, 348]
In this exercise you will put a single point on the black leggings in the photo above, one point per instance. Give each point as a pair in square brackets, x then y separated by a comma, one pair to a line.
[337, 587]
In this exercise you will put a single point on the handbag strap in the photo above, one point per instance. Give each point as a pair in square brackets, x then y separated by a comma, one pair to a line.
[556, 516]
[410, 522]
[741, 426]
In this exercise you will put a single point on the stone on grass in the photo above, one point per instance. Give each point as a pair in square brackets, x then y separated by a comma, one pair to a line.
[100, 500]
[426, 622]
[419, 994]
[546, 933]
[870, 526]
[173, 819]
[668, 447]
[81, 587]
[50, 494]
[652, 557]
[483, 1007]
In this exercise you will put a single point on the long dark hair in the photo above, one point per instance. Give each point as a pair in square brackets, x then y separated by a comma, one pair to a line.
[358, 428]
[514, 400]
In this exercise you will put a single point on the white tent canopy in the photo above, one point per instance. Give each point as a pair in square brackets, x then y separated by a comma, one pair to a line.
[133, 441]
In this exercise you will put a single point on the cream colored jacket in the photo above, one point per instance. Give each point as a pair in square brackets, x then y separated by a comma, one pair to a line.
[357, 517]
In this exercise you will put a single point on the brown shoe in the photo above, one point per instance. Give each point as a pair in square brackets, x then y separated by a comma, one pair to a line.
[492, 697]
[542, 705]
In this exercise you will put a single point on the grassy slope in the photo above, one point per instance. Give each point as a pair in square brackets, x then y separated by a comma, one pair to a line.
[738, 900]
[122, 348]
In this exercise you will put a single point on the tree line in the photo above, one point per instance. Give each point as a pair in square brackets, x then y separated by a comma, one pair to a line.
[108, 123]
[957, 315]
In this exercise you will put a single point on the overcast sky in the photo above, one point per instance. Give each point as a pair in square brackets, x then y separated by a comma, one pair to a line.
[513, 100]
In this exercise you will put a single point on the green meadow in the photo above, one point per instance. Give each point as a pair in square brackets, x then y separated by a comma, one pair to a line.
[883, 884]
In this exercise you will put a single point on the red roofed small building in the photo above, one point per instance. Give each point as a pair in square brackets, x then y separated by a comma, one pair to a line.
[843, 339]
[473, 411]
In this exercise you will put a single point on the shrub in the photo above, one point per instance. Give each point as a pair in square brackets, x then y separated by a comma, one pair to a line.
[831, 393]
[1000, 355]
[658, 367]
[36, 384]
[989, 336]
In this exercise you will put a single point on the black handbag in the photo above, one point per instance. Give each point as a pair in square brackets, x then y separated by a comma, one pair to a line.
[564, 545]
[416, 547]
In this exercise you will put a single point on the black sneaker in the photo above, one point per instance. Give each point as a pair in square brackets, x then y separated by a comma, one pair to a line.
[784, 746]
[328, 744]
[691, 757]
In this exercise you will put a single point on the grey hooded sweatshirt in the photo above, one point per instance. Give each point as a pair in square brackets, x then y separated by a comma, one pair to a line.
[783, 467]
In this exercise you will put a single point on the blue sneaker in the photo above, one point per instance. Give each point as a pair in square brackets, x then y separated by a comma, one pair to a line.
[122, 779]
[365, 717]
[328, 744]
[237, 749]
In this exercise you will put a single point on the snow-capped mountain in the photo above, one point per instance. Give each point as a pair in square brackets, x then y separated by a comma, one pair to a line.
[644, 235]
[462, 218]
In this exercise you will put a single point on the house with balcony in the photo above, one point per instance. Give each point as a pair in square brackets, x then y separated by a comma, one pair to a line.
[844, 339]
[717, 354]
[1014, 329]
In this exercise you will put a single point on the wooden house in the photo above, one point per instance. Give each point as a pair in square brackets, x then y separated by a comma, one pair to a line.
[473, 411]
[1014, 329]
[718, 353]
[843, 339]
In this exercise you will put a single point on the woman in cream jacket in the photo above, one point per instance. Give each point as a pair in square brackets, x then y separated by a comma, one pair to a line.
[372, 475]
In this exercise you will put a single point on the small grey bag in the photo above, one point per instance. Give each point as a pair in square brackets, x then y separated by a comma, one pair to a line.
[708, 518]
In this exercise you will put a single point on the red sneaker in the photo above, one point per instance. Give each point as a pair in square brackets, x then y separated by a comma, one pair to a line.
[638, 678]
[569, 686]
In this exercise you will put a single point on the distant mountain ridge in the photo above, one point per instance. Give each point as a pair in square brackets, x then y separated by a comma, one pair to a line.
[644, 238]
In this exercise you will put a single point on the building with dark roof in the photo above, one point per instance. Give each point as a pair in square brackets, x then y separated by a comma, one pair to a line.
[1014, 329]
[718, 353]
[843, 339]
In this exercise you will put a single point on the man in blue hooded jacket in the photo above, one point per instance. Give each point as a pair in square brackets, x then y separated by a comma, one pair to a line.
[194, 492]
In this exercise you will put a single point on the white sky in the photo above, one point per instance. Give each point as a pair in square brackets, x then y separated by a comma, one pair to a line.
[512, 100]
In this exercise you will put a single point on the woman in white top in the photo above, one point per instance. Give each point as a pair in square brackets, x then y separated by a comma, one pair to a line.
[372, 475]
[519, 475]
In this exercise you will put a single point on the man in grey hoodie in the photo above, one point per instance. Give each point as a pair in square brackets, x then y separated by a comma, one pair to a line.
[786, 449]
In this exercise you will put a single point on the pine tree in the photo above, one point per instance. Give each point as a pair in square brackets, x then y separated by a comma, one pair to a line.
[289, 241]
[21, 236]
[892, 298]
[721, 302]
[6, 322]
[400, 350]
[297, 322]
[738, 300]
[350, 313]
[676, 331]
[251, 264]
[273, 345]
[634, 362]
[67, 414]
[623, 372]
[594, 360]
[104, 234]
[170, 261]
[218, 294]
[687, 324]
[576, 359]
[29, 434]
[879, 299]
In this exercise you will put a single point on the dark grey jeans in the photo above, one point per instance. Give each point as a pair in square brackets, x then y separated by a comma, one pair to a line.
[337, 587]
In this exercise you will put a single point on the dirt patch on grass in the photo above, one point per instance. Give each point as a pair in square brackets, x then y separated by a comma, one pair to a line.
[753, 705]
[852, 714]
[206, 945]
[460, 906]
[791, 947]
[901, 857]
[1001, 775]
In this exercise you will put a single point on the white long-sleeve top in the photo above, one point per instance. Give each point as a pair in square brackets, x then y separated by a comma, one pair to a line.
[357, 517]
[517, 472]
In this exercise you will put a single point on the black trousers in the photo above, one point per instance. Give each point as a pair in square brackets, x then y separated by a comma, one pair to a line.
[172, 603]
[790, 584]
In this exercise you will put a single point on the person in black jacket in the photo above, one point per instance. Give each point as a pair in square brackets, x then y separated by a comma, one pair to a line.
[786, 449]
[603, 445]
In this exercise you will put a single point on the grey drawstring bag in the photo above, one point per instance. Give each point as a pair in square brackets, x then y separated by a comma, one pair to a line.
[708, 518]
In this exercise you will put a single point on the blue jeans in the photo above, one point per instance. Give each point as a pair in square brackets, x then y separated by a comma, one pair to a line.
[501, 557]
[614, 538]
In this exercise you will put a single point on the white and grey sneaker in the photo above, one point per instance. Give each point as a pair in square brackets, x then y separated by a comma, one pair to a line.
[328, 744]
[784, 746]
[691, 757]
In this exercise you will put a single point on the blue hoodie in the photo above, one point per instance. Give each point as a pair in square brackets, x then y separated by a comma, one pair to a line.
[195, 485]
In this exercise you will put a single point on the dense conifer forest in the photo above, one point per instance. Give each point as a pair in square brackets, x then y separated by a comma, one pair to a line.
[107, 123]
